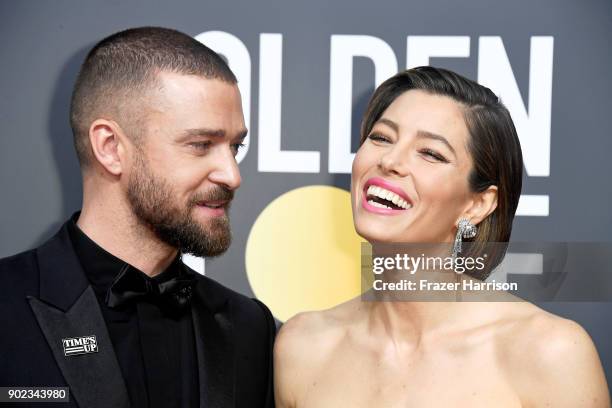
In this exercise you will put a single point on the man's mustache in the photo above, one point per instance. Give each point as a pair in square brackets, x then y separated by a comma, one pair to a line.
[218, 193]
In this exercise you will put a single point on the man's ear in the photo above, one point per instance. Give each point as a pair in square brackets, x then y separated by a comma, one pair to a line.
[107, 145]
[481, 205]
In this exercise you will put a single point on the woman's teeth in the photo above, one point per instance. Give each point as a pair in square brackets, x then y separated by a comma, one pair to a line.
[383, 194]
[379, 205]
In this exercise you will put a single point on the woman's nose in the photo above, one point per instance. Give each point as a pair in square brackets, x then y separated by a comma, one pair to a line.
[395, 162]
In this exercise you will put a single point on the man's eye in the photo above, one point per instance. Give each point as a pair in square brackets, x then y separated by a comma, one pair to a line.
[434, 155]
[200, 145]
[237, 146]
[378, 138]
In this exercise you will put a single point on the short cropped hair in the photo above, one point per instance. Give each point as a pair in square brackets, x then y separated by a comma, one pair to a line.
[494, 146]
[122, 67]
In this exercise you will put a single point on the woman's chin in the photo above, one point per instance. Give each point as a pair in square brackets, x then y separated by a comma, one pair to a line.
[381, 237]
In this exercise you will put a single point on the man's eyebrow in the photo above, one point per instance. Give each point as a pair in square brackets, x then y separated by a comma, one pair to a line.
[205, 132]
[433, 136]
[242, 135]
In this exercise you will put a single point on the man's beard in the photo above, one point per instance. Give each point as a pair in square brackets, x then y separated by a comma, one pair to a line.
[151, 202]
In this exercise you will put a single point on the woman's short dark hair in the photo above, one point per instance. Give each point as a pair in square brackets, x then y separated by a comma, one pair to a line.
[493, 145]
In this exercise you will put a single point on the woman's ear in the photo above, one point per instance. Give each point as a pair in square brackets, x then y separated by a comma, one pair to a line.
[482, 204]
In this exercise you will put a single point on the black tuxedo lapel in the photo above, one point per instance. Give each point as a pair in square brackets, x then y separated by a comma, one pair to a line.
[94, 379]
[68, 308]
[213, 330]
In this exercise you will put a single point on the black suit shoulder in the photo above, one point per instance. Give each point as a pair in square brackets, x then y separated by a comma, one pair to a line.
[254, 331]
[25, 357]
[19, 278]
[251, 313]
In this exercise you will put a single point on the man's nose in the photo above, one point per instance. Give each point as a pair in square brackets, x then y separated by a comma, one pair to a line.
[226, 171]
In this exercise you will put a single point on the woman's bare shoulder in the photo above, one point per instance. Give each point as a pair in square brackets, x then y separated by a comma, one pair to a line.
[323, 325]
[305, 344]
[535, 329]
[325, 329]
[551, 359]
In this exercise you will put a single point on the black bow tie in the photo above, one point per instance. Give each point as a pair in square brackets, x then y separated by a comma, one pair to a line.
[132, 285]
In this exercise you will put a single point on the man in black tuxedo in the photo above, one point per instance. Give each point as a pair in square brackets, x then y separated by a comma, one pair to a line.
[107, 307]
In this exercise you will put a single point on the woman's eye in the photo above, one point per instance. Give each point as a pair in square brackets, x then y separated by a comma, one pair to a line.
[434, 155]
[378, 138]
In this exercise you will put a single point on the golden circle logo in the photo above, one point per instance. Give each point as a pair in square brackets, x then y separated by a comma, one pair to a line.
[303, 253]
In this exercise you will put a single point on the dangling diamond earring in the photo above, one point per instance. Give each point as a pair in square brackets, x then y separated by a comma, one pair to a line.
[465, 229]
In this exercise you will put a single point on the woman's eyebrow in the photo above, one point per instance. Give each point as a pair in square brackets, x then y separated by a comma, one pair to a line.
[428, 135]
[389, 123]
[420, 133]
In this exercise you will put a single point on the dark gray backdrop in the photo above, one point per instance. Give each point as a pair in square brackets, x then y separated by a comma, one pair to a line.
[43, 43]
